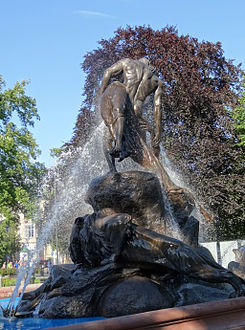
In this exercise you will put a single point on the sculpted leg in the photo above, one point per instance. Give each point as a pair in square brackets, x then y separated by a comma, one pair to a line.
[121, 149]
[219, 275]
[153, 248]
[107, 146]
[119, 126]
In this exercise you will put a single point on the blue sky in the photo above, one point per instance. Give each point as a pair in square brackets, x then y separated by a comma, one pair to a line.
[45, 41]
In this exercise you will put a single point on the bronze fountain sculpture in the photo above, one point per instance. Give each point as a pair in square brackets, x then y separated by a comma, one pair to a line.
[124, 259]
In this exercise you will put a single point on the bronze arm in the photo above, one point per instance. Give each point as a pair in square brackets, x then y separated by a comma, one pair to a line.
[158, 112]
[112, 71]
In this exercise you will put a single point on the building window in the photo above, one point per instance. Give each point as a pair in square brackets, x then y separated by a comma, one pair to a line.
[29, 231]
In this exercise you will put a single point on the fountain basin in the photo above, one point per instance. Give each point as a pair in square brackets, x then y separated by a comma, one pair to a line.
[216, 315]
[6, 292]
[34, 323]
[38, 323]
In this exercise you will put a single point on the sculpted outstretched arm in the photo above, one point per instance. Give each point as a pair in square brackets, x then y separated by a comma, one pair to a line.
[158, 112]
[112, 71]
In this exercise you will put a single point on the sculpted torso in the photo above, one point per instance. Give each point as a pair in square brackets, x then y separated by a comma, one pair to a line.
[138, 79]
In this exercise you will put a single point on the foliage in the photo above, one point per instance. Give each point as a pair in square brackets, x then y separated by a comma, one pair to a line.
[37, 281]
[19, 171]
[198, 132]
[84, 125]
[238, 114]
[56, 152]
[9, 239]
[8, 271]
[37, 271]
[8, 282]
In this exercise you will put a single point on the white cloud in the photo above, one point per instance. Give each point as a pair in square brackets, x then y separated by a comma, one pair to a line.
[93, 13]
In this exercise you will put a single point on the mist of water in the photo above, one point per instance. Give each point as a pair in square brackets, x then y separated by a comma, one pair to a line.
[70, 178]
[69, 187]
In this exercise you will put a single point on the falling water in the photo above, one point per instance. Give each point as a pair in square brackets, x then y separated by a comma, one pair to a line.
[70, 185]
[69, 201]
[205, 228]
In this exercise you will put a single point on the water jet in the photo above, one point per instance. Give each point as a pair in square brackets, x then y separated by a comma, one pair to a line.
[127, 257]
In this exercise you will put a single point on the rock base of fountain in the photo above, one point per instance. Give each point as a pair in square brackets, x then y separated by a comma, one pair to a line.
[124, 262]
[123, 293]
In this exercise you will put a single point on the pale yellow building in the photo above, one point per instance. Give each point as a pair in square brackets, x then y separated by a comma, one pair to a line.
[28, 237]
[28, 234]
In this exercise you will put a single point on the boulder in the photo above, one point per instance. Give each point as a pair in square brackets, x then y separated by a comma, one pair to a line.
[134, 192]
[134, 295]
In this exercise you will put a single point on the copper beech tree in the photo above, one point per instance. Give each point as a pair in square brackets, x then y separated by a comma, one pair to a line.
[201, 88]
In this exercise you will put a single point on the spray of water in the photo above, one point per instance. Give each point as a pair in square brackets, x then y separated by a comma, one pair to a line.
[205, 228]
[70, 178]
[69, 188]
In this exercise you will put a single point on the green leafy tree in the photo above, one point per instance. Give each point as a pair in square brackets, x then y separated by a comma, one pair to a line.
[55, 152]
[20, 173]
[238, 115]
[9, 240]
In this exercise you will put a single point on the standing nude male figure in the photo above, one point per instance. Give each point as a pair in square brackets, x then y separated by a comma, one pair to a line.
[140, 80]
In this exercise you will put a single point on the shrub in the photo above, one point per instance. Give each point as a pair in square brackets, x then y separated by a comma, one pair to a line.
[8, 271]
[8, 282]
